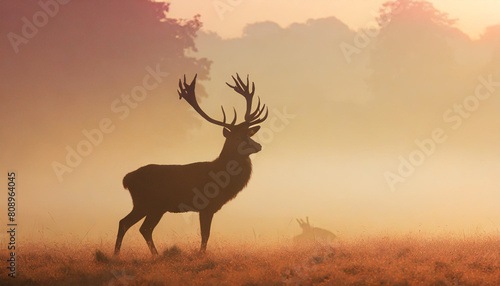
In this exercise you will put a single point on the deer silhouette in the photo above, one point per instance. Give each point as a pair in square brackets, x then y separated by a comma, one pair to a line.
[202, 187]
[313, 234]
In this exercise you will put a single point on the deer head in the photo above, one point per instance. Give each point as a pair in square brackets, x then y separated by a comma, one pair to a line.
[237, 135]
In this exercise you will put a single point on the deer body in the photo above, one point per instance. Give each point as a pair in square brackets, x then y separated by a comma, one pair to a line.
[160, 186]
[202, 187]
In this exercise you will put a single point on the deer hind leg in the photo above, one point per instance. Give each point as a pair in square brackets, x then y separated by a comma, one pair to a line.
[205, 223]
[147, 228]
[132, 218]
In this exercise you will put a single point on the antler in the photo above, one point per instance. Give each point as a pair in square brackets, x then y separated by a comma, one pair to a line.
[252, 118]
[304, 225]
[187, 92]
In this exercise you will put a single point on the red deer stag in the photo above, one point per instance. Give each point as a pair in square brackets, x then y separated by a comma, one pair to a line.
[202, 187]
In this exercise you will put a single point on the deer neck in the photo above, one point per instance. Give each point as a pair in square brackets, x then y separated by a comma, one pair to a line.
[231, 156]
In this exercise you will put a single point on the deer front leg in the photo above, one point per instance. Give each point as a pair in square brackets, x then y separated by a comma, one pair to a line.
[205, 223]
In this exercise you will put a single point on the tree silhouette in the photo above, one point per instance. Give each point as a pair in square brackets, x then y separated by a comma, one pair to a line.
[86, 56]
[491, 39]
[411, 59]
[91, 39]
[394, 10]
[414, 72]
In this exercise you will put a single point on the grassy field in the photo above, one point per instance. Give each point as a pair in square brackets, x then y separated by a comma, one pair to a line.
[371, 261]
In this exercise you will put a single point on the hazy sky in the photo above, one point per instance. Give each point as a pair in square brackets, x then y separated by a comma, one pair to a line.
[228, 17]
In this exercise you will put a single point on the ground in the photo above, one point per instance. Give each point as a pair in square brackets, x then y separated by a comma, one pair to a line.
[362, 261]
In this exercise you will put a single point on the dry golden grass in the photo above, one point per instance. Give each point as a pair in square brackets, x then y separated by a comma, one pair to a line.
[373, 261]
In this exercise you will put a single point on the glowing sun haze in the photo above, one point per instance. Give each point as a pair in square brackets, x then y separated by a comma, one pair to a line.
[228, 18]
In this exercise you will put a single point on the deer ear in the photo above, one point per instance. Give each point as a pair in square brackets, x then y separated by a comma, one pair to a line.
[253, 130]
[225, 132]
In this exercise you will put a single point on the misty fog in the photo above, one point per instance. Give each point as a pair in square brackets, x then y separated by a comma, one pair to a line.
[388, 129]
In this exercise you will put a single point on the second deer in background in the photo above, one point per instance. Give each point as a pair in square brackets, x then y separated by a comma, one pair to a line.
[313, 234]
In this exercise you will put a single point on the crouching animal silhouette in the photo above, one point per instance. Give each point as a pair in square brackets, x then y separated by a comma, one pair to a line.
[313, 234]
